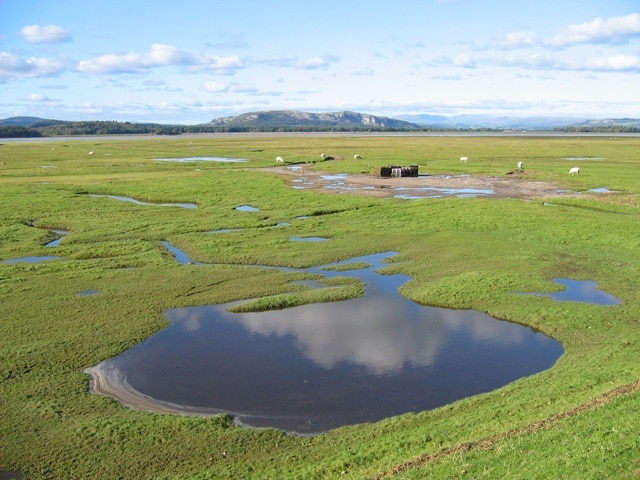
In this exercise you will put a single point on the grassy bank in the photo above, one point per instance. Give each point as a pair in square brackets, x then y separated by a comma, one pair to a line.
[576, 420]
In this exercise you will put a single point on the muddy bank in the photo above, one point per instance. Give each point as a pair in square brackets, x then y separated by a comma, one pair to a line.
[112, 383]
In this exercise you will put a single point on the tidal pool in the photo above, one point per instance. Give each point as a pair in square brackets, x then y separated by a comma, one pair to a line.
[317, 367]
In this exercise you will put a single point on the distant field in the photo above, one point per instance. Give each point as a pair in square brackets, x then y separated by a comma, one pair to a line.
[576, 420]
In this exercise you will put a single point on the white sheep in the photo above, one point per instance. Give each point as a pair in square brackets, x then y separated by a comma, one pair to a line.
[279, 159]
[322, 155]
[464, 159]
[357, 157]
[520, 165]
[574, 171]
[91, 153]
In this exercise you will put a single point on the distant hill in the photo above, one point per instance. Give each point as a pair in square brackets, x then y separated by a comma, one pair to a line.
[513, 122]
[494, 121]
[19, 121]
[292, 118]
[296, 121]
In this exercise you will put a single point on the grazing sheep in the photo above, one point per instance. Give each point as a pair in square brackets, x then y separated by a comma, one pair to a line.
[279, 159]
[357, 157]
[520, 165]
[574, 171]
[91, 153]
[464, 159]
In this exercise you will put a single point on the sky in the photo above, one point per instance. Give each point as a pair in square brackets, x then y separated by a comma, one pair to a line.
[191, 61]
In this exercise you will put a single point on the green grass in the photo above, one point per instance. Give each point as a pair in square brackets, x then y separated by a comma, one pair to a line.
[460, 253]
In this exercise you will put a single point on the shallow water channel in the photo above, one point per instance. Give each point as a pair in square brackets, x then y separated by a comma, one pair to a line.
[316, 367]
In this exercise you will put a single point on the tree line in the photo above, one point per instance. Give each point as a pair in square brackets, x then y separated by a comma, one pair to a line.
[53, 128]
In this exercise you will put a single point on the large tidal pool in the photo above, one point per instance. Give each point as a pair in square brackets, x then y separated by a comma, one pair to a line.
[316, 367]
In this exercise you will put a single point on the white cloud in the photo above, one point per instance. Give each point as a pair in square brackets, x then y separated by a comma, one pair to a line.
[45, 34]
[216, 87]
[159, 55]
[167, 55]
[365, 72]
[463, 60]
[547, 61]
[312, 63]
[534, 60]
[34, 97]
[13, 66]
[156, 82]
[612, 30]
[616, 63]
[232, 62]
[515, 40]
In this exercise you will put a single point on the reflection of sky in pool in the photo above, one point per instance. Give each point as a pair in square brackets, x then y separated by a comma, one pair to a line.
[337, 182]
[138, 202]
[35, 259]
[56, 242]
[585, 291]
[307, 239]
[442, 192]
[316, 367]
[88, 293]
[247, 208]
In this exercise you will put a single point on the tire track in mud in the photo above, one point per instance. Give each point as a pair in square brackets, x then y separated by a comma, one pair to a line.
[488, 443]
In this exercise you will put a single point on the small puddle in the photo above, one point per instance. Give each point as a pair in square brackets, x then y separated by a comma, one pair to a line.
[247, 208]
[443, 192]
[307, 239]
[87, 293]
[584, 158]
[34, 259]
[138, 202]
[585, 291]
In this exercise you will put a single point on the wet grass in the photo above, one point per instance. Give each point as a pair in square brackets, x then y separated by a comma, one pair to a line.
[460, 253]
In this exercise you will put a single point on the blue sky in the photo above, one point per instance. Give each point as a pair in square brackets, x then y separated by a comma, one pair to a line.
[193, 60]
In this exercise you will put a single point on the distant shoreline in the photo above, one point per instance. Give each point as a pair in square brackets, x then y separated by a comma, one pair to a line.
[89, 138]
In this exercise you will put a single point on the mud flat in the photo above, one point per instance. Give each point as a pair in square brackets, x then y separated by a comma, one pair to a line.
[508, 186]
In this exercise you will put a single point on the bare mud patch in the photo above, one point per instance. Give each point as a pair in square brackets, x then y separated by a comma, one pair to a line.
[511, 185]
